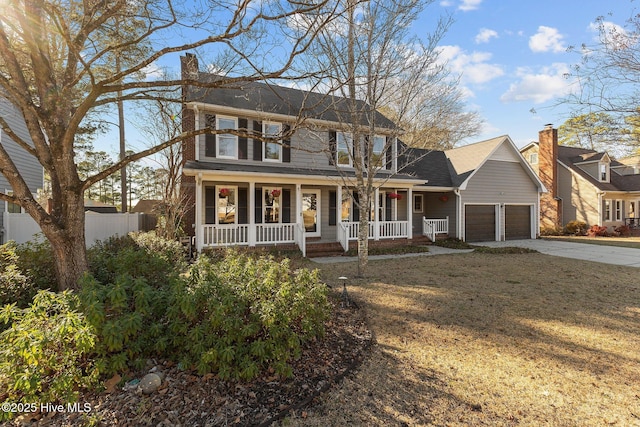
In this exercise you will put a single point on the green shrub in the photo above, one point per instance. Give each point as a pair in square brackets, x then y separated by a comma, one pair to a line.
[241, 315]
[578, 228]
[44, 352]
[118, 256]
[170, 250]
[15, 287]
[127, 316]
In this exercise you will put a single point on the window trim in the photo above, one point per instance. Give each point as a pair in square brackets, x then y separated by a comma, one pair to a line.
[269, 189]
[381, 153]
[533, 158]
[348, 138]
[235, 137]
[278, 144]
[604, 175]
[7, 203]
[608, 210]
[417, 197]
[617, 209]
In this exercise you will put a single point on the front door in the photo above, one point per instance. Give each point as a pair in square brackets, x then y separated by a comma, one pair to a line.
[311, 212]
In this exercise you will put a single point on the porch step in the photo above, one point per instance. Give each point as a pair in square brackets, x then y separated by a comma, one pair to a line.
[315, 250]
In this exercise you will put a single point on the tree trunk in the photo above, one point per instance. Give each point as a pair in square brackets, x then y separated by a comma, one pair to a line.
[363, 233]
[66, 234]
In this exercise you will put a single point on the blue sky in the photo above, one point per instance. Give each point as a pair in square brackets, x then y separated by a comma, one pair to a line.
[513, 57]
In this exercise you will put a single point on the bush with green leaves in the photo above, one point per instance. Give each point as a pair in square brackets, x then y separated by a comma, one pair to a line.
[45, 352]
[241, 315]
[578, 228]
[15, 287]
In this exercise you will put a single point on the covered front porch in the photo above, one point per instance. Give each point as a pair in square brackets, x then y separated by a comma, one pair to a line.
[254, 212]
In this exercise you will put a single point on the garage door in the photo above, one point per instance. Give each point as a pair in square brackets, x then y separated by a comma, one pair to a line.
[480, 223]
[517, 222]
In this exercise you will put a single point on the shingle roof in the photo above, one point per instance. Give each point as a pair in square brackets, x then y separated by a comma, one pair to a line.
[270, 98]
[571, 156]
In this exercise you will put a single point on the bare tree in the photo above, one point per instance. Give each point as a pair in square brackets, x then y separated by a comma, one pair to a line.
[57, 68]
[370, 61]
[607, 78]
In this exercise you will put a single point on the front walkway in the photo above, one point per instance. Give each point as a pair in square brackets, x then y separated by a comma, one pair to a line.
[582, 251]
[433, 250]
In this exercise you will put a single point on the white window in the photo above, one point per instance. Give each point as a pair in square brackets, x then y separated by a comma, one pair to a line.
[272, 204]
[418, 203]
[227, 144]
[272, 150]
[533, 158]
[604, 172]
[607, 210]
[344, 144]
[377, 157]
[618, 204]
[227, 204]
[11, 207]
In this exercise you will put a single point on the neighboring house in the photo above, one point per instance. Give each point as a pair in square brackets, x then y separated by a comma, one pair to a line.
[584, 185]
[29, 167]
[98, 207]
[250, 192]
[486, 190]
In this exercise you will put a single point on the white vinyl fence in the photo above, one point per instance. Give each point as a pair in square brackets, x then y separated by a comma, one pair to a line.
[98, 226]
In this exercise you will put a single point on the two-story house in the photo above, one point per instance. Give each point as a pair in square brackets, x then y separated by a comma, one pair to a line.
[251, 191]
[29, 167]
[248, 191]
[584, 185]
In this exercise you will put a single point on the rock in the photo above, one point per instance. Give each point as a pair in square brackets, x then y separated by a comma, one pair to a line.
[150, 383]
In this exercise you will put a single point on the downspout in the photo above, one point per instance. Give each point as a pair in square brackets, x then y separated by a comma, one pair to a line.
[458, 213]
[560, 210]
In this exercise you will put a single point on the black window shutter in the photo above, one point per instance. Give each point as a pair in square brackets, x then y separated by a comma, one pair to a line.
[356, 208]
[286, 145]
[242, 140]
[258, 211]
[333, 208]
[333, 149]
[210, 140]
[389, 153]
[257, 143]
[243, 211]
[387, 209]
[210, 205]
[286, 205]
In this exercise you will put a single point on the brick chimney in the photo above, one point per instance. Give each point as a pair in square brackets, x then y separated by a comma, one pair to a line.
[189, 70]
[548, 171]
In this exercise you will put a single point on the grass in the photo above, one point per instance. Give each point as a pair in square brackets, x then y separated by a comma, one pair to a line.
[491, 339]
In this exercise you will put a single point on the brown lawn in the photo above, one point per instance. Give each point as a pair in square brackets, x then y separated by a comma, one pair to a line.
[486, 339]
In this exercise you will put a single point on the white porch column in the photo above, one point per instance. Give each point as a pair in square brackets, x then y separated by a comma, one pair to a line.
[376, 218]
[299, 219]
[199, 230]
[409, 213]
[338, 209]
[252, 214]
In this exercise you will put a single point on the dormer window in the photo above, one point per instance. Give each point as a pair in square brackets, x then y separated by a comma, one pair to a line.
[604, 172]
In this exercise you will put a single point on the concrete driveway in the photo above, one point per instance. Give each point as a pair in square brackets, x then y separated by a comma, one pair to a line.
[582, 251]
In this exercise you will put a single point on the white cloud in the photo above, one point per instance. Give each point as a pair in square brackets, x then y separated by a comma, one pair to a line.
[485, 35]
[612, 35]
[546, 39]
[538, 87]
[474, 67]
[468, 5]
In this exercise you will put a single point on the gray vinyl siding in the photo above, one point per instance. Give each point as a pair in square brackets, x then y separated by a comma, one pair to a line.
[434, 208]
[28, 165]
[501, 182]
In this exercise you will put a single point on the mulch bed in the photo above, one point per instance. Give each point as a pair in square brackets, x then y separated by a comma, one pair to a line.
[186, 399]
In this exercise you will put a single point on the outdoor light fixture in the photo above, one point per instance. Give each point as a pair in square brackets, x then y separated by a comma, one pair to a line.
[345, 296]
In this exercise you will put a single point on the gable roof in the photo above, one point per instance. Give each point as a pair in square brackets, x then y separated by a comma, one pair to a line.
[455, 167]
[571, 157]
[258, 97]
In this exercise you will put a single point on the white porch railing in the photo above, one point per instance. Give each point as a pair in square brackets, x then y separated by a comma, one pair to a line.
[386, 229]
[343, 235]
[301, 240]
[433, 227]
[225, 235]
[275, 233]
